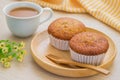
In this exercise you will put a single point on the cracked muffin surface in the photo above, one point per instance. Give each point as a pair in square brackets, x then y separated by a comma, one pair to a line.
[89, 43]
[65, 28]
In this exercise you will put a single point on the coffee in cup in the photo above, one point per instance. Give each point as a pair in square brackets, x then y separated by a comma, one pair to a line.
[23, 12]
[23, 18]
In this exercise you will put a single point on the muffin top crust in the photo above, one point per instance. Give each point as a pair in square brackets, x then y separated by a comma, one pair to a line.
[65, 28]
[89, 43]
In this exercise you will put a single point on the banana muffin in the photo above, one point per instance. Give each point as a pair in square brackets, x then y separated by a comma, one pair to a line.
[62, 30]
[88, 47]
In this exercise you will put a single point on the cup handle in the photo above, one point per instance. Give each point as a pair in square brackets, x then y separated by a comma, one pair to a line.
[49, 15]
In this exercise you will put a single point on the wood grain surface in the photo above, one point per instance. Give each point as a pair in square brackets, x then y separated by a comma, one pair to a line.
[40, 47]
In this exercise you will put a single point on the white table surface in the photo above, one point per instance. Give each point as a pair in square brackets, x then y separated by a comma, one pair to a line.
[29, 70]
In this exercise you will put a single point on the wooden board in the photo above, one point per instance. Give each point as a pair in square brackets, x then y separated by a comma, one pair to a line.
[40, 47]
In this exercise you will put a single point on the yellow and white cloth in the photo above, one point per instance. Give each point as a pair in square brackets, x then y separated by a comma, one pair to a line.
[107, 11]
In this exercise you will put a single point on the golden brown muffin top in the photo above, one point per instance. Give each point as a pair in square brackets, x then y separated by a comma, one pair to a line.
[65, 28]
[89, 43]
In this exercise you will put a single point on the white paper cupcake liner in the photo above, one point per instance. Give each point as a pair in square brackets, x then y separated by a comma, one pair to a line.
[58, 43]
[93, 60]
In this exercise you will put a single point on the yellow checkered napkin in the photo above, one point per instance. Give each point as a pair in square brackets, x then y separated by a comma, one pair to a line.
[107, 11]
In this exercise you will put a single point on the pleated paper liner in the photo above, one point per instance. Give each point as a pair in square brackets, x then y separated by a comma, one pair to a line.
[93, 60]
[58, 43]
[41, 46]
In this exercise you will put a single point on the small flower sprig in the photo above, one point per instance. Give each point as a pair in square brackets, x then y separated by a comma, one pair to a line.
[10, 50]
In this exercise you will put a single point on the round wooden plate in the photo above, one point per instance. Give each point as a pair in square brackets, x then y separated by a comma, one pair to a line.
[40, 48]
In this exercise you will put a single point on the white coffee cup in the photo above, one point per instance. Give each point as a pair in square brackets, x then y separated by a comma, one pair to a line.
[25, 26]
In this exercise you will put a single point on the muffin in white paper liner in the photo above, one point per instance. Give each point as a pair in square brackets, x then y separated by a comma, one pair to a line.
[86, 59]
[58, 43]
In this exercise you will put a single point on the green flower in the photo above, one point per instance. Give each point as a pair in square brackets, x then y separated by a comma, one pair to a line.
[2, 44]
[3, 60]
[16, 48]
[22, 45]
[20, 58]
[10, 58]
[7, 64]
[10, 50]
[4, 50]
[23, 52]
